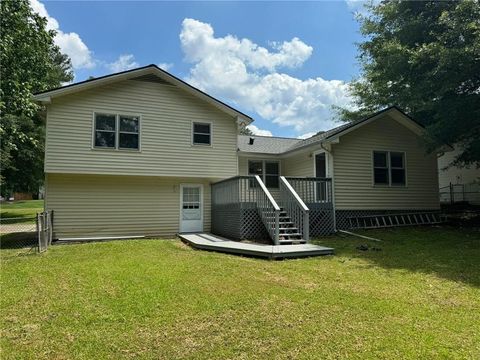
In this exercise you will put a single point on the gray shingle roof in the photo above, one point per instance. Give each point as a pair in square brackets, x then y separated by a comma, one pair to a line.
[265, 144]
[276, 145]
[279, 145]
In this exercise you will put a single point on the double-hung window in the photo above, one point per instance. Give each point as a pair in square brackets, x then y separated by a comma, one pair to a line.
[105, 130]
[397, 168]
[114, 131]
[202, 133]
[389, 168]
[269, 171]
[128, 132]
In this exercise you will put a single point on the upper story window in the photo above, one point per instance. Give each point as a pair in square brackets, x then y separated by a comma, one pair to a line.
[269, 171]
[202, 133]
[105, 130]
[389, 168]
[113, 131]
[128, 132]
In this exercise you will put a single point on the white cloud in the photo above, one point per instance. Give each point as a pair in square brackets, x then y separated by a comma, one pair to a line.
[165, 66]
[245, 73]
[201, 43]
[358, 6]
[69, 43]
[124, 62]
[256, 131]
[307, 135]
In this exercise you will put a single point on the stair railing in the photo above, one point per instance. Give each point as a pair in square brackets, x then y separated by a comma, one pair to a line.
[266, 205]
[295, 208]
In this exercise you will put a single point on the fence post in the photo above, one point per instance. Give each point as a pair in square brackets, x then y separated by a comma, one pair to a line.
[37, 223]
[49, 222]
[51, 225]
[452, 196]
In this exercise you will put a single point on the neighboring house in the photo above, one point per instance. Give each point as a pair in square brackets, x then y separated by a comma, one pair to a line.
[143, 153]
[458, 184]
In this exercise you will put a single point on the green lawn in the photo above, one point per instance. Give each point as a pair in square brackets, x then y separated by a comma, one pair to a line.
[21, 210]
[418, 297]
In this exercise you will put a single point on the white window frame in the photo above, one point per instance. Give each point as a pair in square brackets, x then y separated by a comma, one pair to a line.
[404, 168]
[389, 168]
[117, 131]
[209, 123]
[264, 168]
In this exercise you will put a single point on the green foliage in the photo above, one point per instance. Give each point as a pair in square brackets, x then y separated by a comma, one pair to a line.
[245, 131]
[30, 62]
[22, 153]
[424, 56]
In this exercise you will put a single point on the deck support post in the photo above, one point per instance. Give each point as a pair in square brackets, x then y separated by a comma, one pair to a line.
[306, 226]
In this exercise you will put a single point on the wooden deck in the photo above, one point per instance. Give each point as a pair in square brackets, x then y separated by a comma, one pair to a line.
[205, 241]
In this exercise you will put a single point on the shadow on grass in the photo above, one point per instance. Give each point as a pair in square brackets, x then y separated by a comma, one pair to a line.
[450, 253]
[16, 218]
[19, 240]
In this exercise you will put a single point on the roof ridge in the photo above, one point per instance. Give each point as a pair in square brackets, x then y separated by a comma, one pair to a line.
[154, 67]
[272, 137]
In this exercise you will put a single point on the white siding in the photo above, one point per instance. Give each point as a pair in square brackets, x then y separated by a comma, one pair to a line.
[167, 114]
[453, 174]
[102, 205]
[353, 169]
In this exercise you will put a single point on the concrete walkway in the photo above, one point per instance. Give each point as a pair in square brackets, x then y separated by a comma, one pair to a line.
[205, 241]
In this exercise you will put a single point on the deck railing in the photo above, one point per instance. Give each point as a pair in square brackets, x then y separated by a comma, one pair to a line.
[313, 190]
[268, 209]
[248, 192]
[234, 190]
[295, 208]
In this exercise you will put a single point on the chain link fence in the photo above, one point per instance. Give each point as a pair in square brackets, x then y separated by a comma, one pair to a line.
[460, 193]
[27, 232]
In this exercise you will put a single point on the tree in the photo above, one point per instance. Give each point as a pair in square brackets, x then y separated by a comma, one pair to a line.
[30, 62]
[245, 131]
[424, 56]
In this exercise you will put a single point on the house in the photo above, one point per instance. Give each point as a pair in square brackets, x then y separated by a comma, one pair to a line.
[458, 184]
[143, 153]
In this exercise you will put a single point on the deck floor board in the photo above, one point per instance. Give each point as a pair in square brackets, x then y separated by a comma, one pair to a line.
[206, 241]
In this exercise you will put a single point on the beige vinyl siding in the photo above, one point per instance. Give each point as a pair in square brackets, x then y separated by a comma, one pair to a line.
[353, 169]
[167, 113]
[300, 164]
[102, 205]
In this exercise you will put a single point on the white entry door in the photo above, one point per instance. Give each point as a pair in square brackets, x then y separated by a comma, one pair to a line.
[191, 208]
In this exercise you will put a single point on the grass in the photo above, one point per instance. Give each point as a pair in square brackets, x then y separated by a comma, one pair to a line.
[418, 297]
[22, 211]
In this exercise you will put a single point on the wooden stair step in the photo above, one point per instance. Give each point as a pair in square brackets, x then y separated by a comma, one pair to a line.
[291, 241]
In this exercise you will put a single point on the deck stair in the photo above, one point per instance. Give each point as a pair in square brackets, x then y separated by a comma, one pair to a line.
[393, 220]
[288, 232]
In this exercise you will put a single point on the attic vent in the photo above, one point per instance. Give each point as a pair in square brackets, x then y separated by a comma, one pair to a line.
[151, 78]
[251, 140]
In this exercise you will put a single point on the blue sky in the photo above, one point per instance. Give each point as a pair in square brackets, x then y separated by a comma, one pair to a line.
[284, 63]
